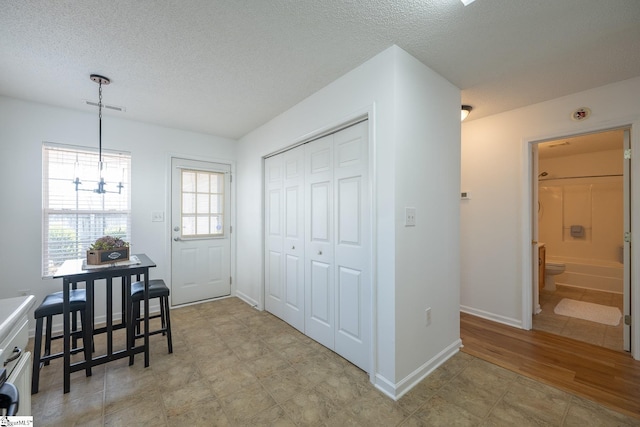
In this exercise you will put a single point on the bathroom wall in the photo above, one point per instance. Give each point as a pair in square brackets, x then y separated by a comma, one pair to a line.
[496, 220]
[596, 204]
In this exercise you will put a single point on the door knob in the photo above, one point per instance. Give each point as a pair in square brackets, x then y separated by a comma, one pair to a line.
[176, 228]
[319, 252]
[177, 239]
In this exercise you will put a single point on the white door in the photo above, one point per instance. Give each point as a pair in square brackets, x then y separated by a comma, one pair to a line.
[294, 237]
[318, 241]
[274, 235]
[200, 248]
[284, 240]
[352, 256]
[319, 259]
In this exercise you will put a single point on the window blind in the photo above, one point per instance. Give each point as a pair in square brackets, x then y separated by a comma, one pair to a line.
[73, 220]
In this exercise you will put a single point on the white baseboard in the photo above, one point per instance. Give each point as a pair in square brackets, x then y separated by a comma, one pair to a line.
[517, 323]
[253, 303]
[396, 391]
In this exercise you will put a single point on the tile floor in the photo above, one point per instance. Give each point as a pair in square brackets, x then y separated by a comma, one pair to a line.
[582, 330]
[235, 366]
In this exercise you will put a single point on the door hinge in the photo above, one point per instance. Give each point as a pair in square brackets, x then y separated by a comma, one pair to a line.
[230, 280]
[627, 237]
[627, 319]
[231, 229]
[230, 178]
[627, 154]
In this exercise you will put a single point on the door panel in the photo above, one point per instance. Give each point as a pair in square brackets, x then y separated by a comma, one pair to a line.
[293, 248]
[284, 214]
[350, 303]
[349, 195]
[320, 302]
[319, 281]
[320, 212]
[275, 275]
[274, 240]
[353, 246]
[200, 249]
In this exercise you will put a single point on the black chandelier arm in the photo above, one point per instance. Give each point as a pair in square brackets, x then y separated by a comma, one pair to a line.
[100, 189]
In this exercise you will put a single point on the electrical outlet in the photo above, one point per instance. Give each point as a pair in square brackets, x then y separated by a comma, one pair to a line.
[24, 292]
[410, 217]
[427, 314]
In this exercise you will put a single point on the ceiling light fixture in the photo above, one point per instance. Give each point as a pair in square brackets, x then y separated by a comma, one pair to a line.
[467, 2]
[101, 80]
[464, 112]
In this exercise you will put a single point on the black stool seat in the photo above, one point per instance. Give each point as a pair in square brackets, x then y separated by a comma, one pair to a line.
[157, 289]
[52, 306]
[52, 303]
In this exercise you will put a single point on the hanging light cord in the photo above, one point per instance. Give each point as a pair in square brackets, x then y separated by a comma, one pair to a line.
[100, 123]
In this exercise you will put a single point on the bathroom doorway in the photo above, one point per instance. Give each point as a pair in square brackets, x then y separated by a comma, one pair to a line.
[581, 203]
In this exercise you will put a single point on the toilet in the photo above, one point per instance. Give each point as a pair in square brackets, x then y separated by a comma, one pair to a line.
[552, 269]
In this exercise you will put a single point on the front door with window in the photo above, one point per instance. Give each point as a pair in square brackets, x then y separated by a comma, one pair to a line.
[200, 247]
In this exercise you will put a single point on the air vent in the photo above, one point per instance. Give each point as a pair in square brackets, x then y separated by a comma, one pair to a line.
[110, 107]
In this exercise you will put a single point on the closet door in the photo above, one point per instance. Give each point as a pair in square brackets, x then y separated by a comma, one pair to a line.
[352, 257]
[274, 235]
[319, 268]
[284, 236]
[293, 248]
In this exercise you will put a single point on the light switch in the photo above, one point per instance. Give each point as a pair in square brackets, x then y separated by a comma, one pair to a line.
[157, 216]
[410, 217]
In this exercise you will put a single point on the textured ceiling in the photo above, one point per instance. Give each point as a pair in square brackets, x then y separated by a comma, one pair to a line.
[226, 67]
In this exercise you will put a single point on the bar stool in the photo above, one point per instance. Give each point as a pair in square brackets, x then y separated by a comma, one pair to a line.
[157, 289]
[51, 306]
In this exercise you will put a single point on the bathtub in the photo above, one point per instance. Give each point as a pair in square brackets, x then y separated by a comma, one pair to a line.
[590, 274]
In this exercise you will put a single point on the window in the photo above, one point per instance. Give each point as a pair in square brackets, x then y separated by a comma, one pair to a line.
[202, 203]
[72, 220]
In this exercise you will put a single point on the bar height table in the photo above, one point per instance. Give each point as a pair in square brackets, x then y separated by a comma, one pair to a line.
[73, 272]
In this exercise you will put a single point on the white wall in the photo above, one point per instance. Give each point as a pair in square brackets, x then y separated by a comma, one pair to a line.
[24, 126]
[413, 125]
[427, 159]
[496, 221]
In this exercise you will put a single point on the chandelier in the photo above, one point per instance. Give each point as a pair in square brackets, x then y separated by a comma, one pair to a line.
[101, 80]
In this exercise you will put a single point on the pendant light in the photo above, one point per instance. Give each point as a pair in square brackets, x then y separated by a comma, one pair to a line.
[101, 80]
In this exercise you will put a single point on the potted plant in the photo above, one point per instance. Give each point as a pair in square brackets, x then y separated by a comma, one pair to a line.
[107, 250]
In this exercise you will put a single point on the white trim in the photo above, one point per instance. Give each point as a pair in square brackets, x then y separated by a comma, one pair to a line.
[246, 298]
[396, 391]
[625, 122]
[509, 321]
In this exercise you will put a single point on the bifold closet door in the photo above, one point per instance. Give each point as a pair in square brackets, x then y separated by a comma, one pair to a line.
[284, 240]
[352, 250]
[319, 265]
[317, 241]
[338, 249]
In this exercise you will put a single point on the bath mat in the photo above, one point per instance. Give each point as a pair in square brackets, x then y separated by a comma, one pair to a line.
[589, 311]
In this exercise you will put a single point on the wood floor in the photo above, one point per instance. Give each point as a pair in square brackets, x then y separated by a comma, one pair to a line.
[606, 376]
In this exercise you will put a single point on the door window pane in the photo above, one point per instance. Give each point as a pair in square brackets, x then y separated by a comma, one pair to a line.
[202, 204]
